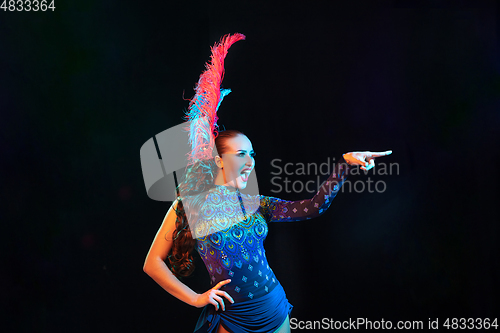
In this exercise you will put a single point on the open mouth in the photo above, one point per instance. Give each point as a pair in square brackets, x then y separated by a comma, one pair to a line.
[244, 176]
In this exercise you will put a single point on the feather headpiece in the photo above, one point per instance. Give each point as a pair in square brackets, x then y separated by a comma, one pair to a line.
[202, 110]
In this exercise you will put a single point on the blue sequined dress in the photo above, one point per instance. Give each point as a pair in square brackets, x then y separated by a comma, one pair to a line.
[230, 242]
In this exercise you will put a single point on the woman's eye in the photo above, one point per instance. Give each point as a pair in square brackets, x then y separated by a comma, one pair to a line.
[243, 154]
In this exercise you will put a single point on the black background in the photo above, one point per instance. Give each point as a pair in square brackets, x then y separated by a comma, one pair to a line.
[83, 87]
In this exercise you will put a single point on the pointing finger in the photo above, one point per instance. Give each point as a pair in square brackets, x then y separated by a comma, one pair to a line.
[379, 154]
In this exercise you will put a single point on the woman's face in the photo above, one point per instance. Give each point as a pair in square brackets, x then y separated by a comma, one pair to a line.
[238, 161]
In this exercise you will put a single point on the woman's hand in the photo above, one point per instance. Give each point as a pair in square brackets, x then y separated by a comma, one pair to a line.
[364, 158]
[214, 296]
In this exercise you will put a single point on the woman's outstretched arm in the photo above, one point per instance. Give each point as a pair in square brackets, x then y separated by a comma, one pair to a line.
[278, 210]
[156, 268]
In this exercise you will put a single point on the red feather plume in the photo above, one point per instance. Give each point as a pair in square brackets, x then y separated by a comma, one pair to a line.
[202, 110]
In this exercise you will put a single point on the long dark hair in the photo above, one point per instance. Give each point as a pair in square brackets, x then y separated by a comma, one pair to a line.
[199, 179]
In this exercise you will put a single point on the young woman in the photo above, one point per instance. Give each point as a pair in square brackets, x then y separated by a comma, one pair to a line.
[228, 229]
[246, 295]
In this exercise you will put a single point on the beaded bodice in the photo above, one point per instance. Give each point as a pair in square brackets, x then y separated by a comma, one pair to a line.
[235, 250]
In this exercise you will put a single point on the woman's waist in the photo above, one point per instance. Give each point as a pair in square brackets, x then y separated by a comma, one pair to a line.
[251, 289]
[244, 286]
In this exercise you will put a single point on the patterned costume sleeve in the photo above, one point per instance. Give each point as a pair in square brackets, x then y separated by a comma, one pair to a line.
[278, 210]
